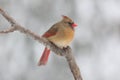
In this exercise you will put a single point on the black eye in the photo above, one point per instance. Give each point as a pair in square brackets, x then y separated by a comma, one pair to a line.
[70, 23]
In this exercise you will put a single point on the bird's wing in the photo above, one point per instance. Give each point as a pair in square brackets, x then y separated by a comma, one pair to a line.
[51, 32]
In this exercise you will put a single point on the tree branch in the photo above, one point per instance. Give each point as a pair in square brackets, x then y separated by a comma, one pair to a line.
[67, 52]
[8, 30]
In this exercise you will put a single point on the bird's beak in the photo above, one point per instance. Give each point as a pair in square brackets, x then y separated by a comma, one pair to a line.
[74, 25]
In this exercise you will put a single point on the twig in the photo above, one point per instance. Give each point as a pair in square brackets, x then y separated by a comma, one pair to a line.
[72, 64]
[67, 52]
[8, 30]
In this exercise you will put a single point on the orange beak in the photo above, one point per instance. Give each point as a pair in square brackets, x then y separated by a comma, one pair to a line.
[74, 25]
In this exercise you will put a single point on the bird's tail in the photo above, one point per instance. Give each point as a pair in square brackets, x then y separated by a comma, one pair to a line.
[44, 58]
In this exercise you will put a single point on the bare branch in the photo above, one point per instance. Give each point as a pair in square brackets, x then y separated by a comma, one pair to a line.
[67, 52]
[72, 64]
[8, 18]
[8, 30]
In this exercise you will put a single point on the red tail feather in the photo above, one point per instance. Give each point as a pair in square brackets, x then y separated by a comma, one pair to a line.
[44, 58]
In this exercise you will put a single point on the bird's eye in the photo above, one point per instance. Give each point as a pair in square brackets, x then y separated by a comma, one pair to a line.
[70, 23]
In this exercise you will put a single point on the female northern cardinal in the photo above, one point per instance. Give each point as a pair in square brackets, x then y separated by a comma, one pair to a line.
[60, 34]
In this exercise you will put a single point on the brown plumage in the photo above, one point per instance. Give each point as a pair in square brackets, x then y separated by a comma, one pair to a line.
[60, 34]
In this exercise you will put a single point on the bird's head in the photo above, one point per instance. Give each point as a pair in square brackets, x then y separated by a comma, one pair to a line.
[68, 21]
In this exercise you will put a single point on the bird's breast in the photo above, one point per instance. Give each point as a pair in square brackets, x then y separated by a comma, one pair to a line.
[63, 37]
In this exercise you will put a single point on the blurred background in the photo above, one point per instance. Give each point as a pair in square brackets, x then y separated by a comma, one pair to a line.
[96, 45]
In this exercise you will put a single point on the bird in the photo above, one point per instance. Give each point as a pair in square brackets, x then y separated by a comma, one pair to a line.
[60, 34]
